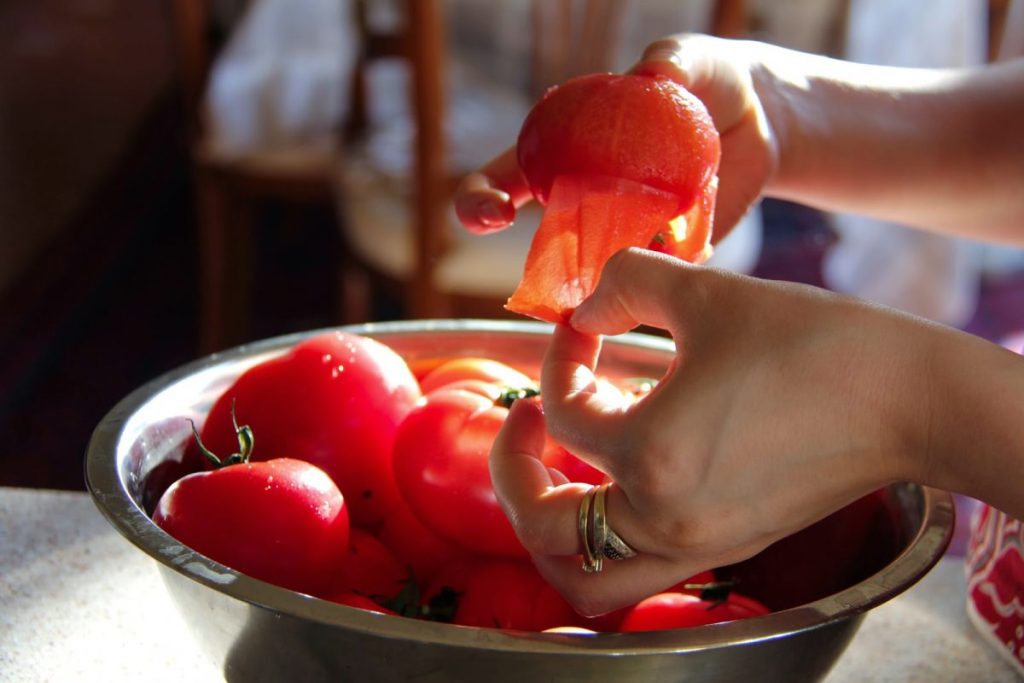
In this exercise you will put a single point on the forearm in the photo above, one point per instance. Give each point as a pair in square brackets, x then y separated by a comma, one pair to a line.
[940, 149]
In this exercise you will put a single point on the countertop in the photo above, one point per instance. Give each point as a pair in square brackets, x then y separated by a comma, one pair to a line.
[78, 602]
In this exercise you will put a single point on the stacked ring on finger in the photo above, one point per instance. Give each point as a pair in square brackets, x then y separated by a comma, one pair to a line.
[598, 539]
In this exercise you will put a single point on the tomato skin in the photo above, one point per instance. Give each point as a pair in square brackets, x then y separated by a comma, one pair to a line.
[371, 568]
[484, 369]
[575, 469]
[283, 521]
[334, 400]
[669, 143]
[440, 464]
[416, 545]
[681, 610]
[511, 594]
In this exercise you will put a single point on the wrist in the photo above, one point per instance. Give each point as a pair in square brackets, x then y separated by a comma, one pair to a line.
[974, 420]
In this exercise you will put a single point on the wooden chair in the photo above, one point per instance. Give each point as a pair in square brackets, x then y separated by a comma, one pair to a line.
[229, 191]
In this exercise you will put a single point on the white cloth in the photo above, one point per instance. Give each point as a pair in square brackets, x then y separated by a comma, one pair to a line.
[283, 79]
[923, 273]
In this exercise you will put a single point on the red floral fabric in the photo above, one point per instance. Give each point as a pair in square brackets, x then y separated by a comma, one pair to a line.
[995, 582]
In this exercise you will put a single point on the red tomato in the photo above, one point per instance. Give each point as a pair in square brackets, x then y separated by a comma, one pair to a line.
[416, 545]
[612, 621]
[485, 369]
[440, 462]
[371, 569]
[572, 467]
[646, 129]
[334, 400]
[607, 186]
[283, 521]
[680, 610]
[511, 594]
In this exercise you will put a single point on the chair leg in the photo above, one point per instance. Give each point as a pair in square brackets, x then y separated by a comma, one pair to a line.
[224, 265]
[355, 294]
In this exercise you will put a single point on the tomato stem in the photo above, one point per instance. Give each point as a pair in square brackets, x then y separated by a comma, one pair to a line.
[510, 395]
[246, 441]
[716, 592]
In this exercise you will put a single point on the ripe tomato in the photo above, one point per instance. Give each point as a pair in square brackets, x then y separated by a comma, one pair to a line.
[612, 621]
[646, 129]
[557, 457]
[485, 369]
[607, 186]
[283, 521]
[416, 545]
[680, 610]
[511, 594]
[334, 400]
[371, 569]
[440, 464]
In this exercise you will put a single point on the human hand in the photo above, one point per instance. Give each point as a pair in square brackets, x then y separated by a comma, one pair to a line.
[716, 70]
[783, 404]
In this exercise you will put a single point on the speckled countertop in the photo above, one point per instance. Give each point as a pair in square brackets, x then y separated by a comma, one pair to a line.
[79, 603]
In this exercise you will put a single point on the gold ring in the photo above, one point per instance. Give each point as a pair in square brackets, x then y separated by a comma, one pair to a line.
[592, 561]
[607, 543]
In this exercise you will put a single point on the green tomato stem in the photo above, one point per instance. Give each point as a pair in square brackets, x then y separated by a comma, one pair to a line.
[246, 441]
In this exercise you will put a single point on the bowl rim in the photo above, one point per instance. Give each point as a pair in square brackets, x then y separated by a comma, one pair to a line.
[111, 496]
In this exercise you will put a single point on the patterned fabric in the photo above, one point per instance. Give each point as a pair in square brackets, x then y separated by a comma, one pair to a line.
[995, 582]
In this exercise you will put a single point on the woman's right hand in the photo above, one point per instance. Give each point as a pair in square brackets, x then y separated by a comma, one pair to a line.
[716, 70]
[783, 403]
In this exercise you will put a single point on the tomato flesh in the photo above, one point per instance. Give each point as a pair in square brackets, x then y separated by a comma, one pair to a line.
[646, 129]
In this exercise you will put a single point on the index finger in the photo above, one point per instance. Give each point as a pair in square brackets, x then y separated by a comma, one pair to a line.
[581, 414]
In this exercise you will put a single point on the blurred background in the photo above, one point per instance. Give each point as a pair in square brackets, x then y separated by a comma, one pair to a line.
[180, 176]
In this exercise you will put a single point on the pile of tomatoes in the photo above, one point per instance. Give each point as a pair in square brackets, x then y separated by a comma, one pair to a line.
[339, 471]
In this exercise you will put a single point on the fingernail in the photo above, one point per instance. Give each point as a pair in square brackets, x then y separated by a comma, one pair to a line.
[672, 64]
[578, 319]
[491, 214]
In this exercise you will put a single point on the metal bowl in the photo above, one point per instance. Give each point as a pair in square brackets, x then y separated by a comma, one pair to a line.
[257, 631]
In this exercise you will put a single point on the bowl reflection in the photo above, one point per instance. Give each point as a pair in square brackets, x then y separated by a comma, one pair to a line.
[820, 582]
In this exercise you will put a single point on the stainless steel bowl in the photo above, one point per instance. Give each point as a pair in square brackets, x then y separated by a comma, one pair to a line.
[257, 631]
